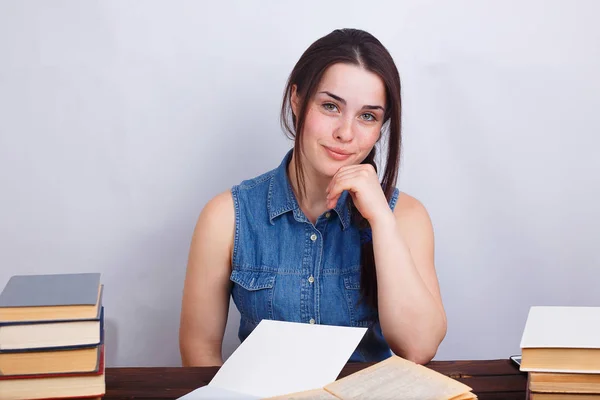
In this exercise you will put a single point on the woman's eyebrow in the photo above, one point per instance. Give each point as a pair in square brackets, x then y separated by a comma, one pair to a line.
[338, 98]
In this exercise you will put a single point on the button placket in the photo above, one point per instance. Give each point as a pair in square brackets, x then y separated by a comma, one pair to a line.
[313, 289]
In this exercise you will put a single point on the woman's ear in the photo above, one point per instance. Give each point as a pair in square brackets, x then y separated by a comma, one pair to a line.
[294, 99]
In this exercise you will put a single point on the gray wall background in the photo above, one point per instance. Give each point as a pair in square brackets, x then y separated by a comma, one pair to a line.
[119, 120]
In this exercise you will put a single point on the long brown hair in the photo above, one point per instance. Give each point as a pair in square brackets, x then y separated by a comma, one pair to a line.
[356, 47]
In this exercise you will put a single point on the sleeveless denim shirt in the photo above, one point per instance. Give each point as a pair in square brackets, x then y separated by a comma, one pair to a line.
[285, 268]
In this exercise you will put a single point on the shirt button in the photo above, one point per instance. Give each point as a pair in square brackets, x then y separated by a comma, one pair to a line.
[311, 279]
[327, 214]
[313, 237]
[312, 321]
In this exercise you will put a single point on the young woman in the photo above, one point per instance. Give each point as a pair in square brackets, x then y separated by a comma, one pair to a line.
[320, 239]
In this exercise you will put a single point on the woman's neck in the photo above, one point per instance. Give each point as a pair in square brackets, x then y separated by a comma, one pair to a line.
[314, 202]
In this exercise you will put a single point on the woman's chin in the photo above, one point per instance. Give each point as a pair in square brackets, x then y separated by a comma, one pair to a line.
[329, 169]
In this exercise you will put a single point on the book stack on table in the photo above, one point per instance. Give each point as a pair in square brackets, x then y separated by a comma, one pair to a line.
[561, 353]
[52, 337]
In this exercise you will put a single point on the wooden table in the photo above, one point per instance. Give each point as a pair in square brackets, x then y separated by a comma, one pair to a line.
[490, 379]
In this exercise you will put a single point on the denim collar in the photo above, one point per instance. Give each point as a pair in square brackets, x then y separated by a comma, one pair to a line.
[281, 198]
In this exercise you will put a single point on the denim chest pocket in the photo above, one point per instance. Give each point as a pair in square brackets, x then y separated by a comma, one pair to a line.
[253, 294]
[361, 314]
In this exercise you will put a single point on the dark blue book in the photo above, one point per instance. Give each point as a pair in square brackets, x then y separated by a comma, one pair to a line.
[51, 297]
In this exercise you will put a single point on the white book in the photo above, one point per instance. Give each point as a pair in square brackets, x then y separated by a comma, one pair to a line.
[561, 339]
[564, 327]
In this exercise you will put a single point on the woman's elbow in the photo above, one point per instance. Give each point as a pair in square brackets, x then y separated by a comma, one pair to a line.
[421, 355]
[422, 351]
[193, 355]
[198, 352]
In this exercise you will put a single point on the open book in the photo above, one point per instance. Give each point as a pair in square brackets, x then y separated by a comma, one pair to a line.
[288, 360]
[393, 378]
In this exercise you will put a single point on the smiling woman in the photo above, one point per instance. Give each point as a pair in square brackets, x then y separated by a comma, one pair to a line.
[320, 239]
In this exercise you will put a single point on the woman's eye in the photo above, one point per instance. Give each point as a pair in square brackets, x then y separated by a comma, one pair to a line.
[369, 117]
[330, 107]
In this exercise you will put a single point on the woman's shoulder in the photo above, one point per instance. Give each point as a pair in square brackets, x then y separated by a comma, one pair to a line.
[407, 202]
[218, 214]
[410, 210]
[220, 205]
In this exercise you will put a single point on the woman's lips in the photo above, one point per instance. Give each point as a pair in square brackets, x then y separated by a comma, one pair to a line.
[337, 154]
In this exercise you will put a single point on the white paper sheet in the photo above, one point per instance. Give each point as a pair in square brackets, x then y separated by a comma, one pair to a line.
[285, 357]
[215, 393]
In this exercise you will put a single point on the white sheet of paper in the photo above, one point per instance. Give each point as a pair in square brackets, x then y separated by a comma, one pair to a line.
[284, 357]
[213, 392]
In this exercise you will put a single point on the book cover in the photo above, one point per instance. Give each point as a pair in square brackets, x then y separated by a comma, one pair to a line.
[50, 290]
[562, 327]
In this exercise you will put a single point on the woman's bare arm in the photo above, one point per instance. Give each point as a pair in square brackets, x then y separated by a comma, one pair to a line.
[411, 311]
[206, 291]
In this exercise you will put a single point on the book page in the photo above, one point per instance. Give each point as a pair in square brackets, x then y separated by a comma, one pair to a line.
[397, 378]
[466, 396]
[317, 394]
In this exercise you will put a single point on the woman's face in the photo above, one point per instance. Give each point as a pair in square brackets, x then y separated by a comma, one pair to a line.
[343, 120]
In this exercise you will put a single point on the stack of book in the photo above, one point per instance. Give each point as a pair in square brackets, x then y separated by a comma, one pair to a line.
[561, 353]
[52, 337]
